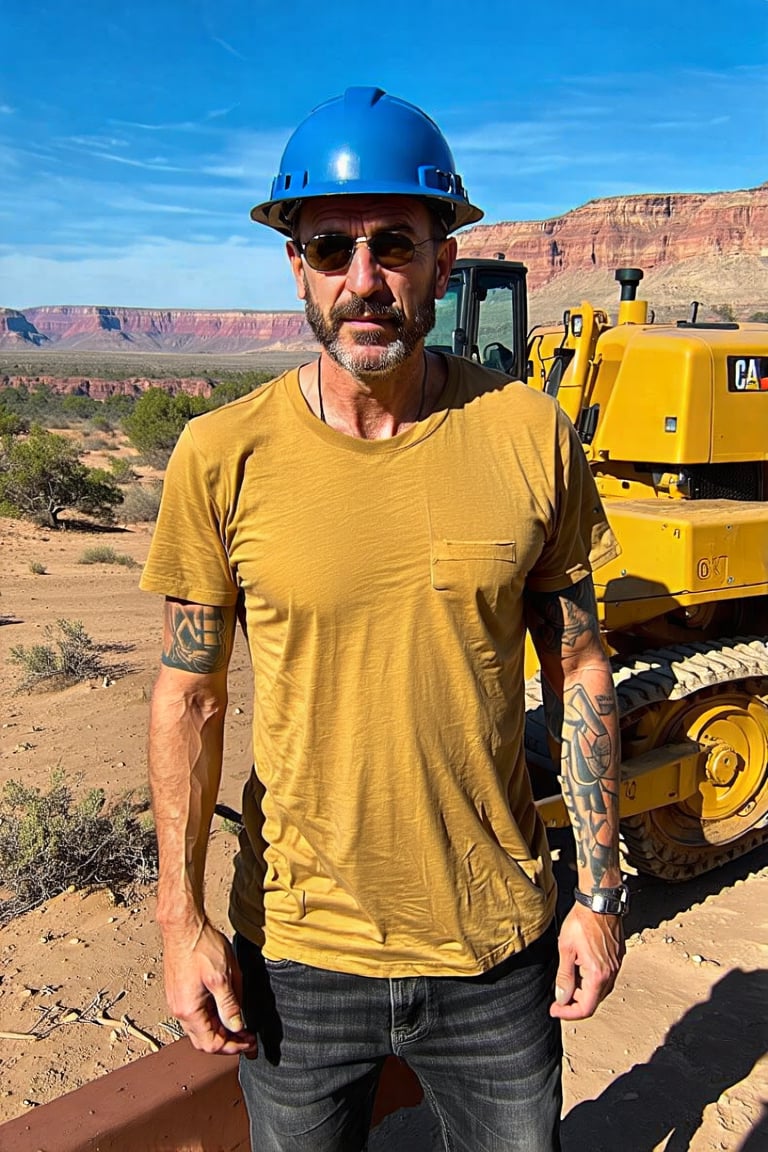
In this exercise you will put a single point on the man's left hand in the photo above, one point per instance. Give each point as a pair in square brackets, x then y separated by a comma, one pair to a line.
[591, 950]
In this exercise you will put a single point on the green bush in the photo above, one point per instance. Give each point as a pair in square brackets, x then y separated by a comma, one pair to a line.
[105, 554]
[68, 658]
[37, 569]
[11, 423]
[50, 842]
[42, 475]
[157, 420]
[121, 470]
[233, 387]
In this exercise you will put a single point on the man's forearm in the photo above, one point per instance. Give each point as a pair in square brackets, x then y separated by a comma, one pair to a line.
[185, 756]
[590, 770]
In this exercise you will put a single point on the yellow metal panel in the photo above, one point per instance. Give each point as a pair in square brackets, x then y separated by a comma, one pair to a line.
[685, 547]
[662, 776]
[660, 405]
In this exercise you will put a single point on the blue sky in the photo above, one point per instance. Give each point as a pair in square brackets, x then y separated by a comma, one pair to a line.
[135, 138]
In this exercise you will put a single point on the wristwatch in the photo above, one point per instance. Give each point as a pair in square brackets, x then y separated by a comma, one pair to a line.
[606, 901]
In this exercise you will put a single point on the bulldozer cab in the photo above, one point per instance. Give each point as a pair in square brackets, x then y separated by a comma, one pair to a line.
[483, 315]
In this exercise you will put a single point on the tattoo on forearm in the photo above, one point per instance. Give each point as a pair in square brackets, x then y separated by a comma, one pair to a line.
[558, 620]
[197, 638]
[589, 779]
[553, 710]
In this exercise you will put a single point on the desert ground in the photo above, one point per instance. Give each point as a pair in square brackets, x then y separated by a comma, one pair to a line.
[675, 1059]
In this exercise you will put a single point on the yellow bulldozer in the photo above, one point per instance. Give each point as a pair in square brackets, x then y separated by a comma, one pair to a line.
[673, 419]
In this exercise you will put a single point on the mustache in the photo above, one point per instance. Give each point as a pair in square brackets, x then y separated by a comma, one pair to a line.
[360, 309]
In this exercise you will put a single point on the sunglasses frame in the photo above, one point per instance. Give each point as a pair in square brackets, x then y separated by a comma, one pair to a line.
[369, 241]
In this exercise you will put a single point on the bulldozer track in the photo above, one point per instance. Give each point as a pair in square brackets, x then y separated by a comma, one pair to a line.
[644, 681]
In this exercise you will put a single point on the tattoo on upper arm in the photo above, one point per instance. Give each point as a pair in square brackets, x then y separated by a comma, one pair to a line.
[197, 637]
[558, 620]
[589, 783]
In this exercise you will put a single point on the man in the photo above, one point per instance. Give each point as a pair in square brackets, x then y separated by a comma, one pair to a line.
[385, 522]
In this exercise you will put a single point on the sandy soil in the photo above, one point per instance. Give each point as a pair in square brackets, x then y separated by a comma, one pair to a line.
[675, 1059]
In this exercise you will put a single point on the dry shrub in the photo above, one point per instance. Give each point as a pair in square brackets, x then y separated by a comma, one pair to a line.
[50, 842]
[141, 503]
[105, 554]
[70, 657]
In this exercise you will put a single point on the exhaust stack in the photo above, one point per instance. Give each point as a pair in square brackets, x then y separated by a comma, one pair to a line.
[631, 310]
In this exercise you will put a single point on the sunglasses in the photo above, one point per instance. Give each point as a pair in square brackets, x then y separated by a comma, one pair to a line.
[333, 251]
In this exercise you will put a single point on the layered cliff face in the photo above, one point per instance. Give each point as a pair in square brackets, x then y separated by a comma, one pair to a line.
[15, 328]
[643, 231]
[712, 247]
[160, 330]
[100, 389]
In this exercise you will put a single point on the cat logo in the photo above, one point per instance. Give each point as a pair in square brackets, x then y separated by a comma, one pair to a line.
[748, 373]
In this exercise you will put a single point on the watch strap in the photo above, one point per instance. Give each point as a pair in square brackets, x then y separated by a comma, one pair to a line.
[605, 901]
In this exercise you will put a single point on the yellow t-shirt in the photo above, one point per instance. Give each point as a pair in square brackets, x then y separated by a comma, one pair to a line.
[389, 824]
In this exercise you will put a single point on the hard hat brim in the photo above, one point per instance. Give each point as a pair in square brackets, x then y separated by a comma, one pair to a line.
[276, 213]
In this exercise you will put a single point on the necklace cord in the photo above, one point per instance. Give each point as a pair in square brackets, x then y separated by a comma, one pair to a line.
[419, 415]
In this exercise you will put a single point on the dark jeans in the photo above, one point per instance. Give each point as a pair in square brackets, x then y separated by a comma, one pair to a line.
[485, 1049]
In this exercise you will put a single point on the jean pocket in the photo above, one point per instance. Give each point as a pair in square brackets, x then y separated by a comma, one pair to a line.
[279, 965]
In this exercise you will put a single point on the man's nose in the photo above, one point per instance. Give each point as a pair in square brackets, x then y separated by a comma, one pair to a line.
[364, 272]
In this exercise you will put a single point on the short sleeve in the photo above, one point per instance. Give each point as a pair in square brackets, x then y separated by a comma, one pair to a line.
[580, 538]
[188, 557]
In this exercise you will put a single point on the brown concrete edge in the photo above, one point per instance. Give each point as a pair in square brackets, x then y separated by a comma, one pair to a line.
[176, 1100]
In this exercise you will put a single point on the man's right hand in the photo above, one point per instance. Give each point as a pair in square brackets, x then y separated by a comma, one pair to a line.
[203, 987]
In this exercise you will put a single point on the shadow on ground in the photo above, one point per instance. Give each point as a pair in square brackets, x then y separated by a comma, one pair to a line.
[712, 1048]
[654, 901]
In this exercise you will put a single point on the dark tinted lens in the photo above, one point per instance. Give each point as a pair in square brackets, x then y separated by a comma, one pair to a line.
[333, 251]
[329, 253]
[391, 249]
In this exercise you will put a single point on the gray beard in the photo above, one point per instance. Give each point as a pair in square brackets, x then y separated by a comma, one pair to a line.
[409, 336]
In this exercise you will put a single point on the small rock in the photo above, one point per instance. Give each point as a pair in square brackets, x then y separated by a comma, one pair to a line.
[697, 959]
[238, 711]
[685, 956]
[669, 939]
[74, 940]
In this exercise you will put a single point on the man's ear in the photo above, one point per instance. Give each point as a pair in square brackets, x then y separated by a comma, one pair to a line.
[446, 258]
[297, 267]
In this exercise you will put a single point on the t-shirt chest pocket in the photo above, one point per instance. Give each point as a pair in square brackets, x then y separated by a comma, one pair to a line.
[471, 566]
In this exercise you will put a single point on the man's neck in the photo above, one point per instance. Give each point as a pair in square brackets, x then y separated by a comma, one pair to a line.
[373, 406]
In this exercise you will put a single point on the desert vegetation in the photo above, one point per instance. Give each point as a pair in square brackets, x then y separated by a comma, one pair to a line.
[51, 841]
[45, 437]
[68, 656]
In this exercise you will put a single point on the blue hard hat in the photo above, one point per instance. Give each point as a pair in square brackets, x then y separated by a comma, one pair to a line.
[366, 143]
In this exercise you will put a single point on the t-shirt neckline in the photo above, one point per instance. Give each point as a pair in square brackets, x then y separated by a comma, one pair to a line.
[403, 440]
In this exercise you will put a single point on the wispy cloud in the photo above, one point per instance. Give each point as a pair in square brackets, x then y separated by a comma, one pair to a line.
[228, 48]
[159, 164]
[152, 273]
